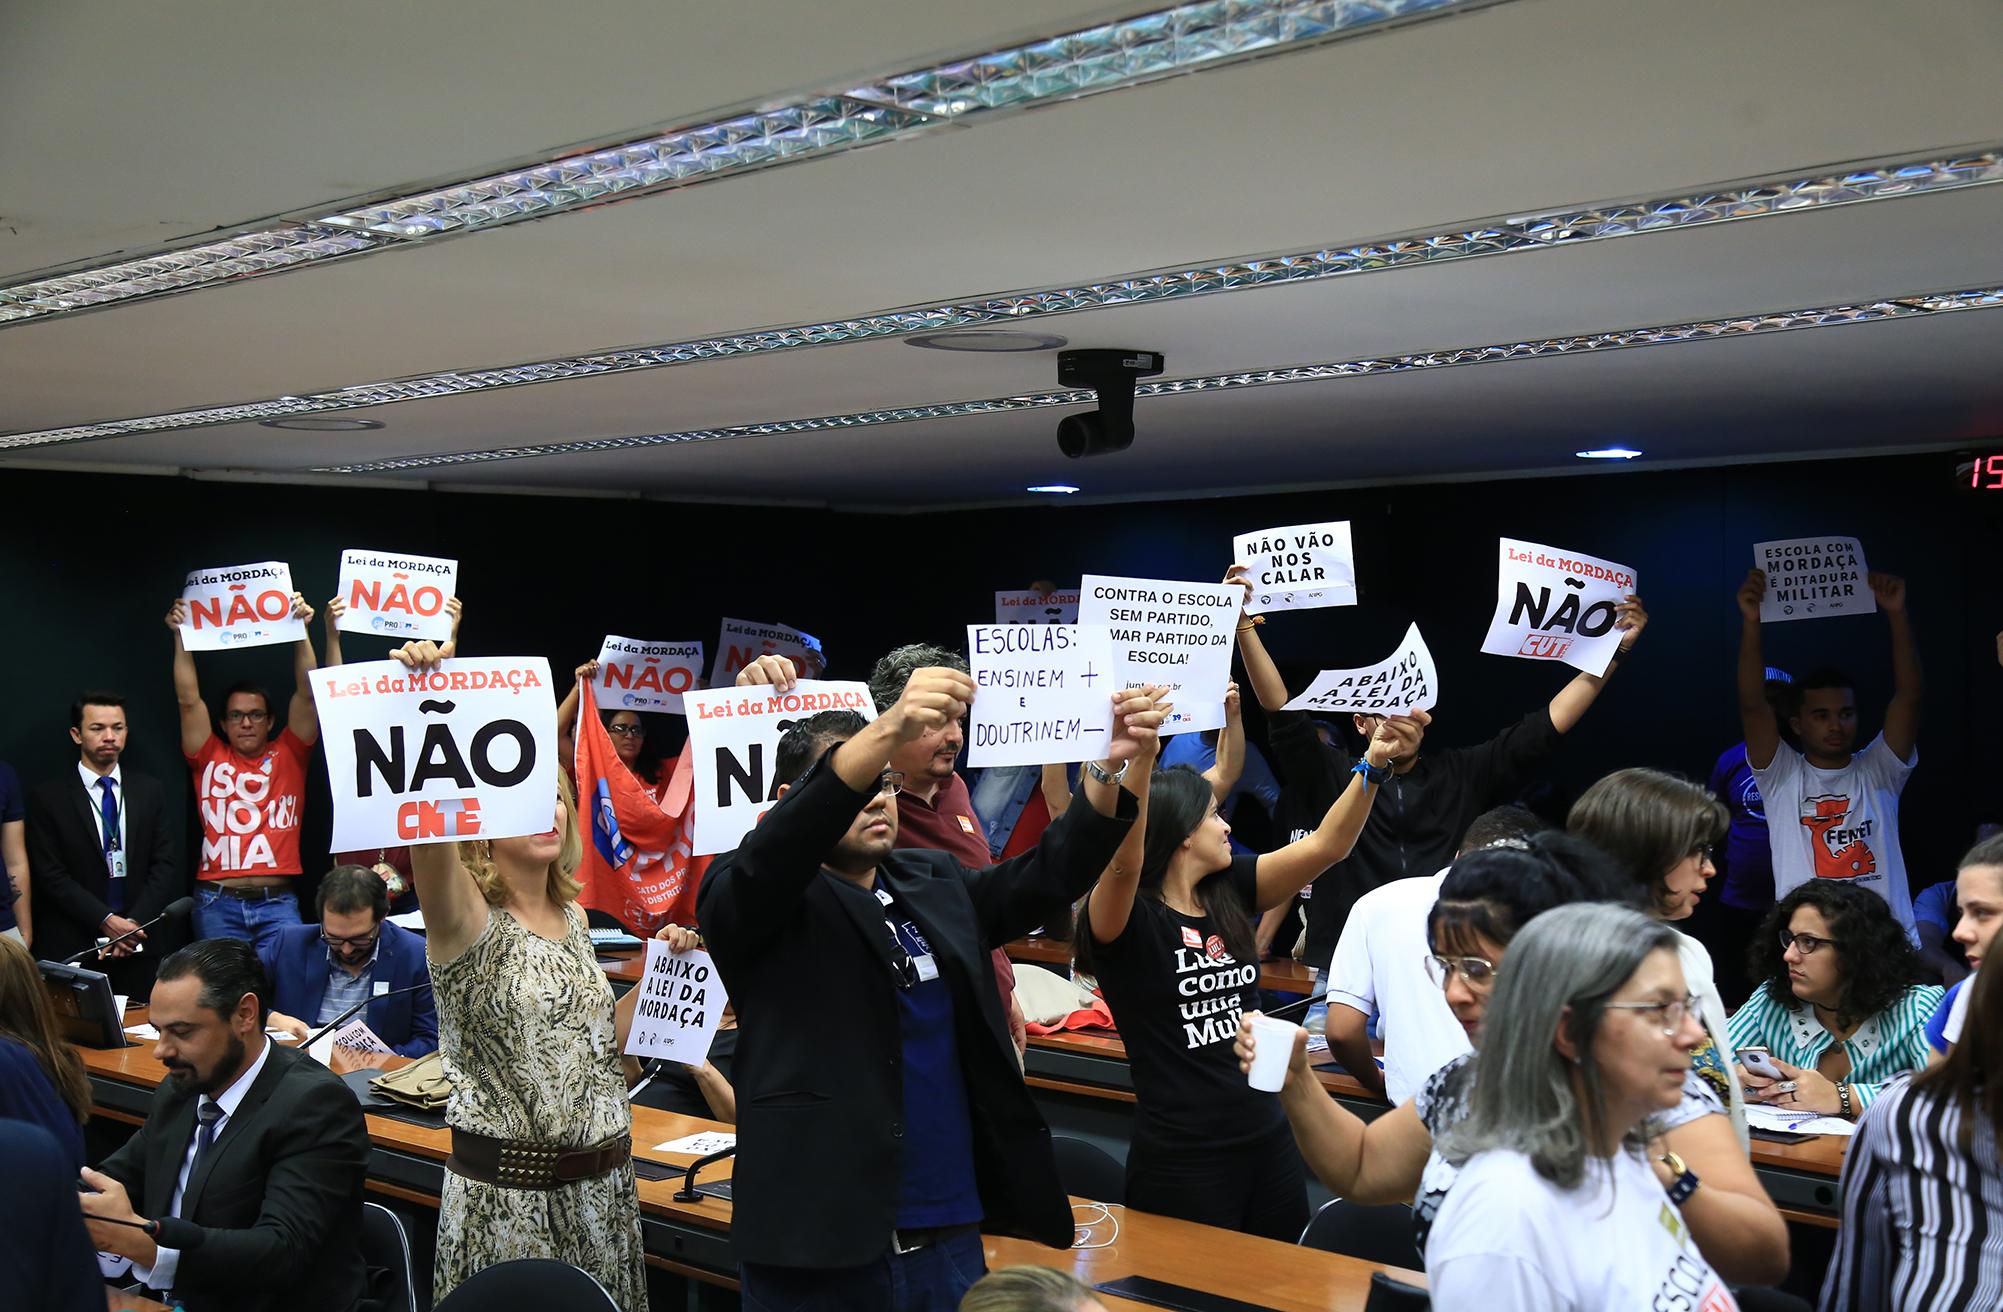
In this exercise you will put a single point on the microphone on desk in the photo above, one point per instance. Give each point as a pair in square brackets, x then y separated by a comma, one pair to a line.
[175, 910]
[1296, 1006]
[687, 1193]
[355, 1010]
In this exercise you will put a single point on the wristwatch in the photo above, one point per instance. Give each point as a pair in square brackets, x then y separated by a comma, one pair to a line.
[1685, 1182]
[1098, 771]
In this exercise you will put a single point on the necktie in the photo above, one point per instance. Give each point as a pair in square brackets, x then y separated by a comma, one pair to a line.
[107, 806]
[209, 1115]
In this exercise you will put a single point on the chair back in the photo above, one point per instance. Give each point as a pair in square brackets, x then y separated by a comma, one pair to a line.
[1388, 1295]
[386, 1254]
[1375, 1234]
[1089, 1171]
[529, 1284]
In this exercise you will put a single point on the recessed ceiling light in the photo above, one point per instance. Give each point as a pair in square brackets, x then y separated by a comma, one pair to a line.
[1060, 488]
[1608, 453]
[986, 339]
[316, 424]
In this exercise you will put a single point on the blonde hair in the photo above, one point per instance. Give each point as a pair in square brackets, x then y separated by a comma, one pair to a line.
[477, 856]
[27, 1017]
[1026, 1289]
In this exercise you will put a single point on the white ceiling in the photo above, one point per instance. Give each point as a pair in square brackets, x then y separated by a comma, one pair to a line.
[107, 141]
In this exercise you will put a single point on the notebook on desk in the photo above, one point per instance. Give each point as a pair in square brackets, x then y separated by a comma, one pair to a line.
[614, 938]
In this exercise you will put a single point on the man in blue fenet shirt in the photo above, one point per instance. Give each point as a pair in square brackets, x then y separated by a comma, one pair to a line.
[354, 954]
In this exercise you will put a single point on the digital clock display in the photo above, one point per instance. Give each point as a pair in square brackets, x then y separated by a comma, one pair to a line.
[1986, 473]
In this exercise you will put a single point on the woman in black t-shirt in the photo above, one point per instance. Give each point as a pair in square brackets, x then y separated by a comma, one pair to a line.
[1168, 931]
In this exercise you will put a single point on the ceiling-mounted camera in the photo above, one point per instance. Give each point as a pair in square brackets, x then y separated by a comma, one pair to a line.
[1112, 375]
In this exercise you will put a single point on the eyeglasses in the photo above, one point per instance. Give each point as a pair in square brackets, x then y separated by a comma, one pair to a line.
[1475, 972]
[627, 730]
[1669, 1015]
[890, 782]
[1703, 856]
[353, 941]
[246, 717]
[1809, 944]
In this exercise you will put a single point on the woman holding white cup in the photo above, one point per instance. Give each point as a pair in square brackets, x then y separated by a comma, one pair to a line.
[1168, 932]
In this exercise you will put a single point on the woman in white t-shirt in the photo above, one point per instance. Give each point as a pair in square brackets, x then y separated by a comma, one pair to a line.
[1661, 828]
[1588, 1035]
[1488, 897]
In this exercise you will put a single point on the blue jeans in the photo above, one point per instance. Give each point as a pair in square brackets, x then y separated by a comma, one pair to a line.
[933, 1279]
[218, 915]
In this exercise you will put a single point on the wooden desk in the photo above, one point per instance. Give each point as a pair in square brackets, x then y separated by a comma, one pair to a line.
[1277, 976]
[119, 1300]
[1284, 1277]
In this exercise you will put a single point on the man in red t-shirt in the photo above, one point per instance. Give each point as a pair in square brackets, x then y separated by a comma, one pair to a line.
[934, 810]
[250, 787]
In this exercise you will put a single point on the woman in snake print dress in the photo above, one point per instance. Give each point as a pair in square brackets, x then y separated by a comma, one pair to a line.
[531, 1041]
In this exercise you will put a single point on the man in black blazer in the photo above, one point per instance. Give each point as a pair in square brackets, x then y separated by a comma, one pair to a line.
[89, 884]
[882, 1120]
[243, 1189]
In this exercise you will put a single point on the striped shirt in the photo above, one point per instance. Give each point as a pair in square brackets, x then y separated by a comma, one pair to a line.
[345, 990]
[1887, 1044]
[1922, 1216]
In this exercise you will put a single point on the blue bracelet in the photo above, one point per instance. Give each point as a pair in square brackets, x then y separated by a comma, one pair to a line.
[1376, 774]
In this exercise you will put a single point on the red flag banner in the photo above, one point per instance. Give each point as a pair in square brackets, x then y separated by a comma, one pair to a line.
[636, 863]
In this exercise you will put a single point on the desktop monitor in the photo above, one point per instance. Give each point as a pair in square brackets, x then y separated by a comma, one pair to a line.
[85, 1005]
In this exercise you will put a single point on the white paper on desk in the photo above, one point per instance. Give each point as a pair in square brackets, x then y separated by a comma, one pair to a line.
[681, 1004]
[146, 1032]
[700, 1144]
[1770, 1118]
[355, 1036]
[121, 1001]
[411, 920]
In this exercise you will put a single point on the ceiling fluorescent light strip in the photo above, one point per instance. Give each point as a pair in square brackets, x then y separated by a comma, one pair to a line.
[1906, 307]
[1547, 231]
[1183, 39]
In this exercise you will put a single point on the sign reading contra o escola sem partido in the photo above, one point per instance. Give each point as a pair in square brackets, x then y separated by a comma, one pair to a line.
[1178, 635]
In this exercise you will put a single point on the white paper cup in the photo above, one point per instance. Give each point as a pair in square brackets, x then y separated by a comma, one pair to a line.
[1272, 1049]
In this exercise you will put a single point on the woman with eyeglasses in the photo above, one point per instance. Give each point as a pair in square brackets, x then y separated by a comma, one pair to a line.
[1586, 1042]
[1660, 829]
[1839, 1008]
[1168, 931]
[1489, 896]
[627, 729]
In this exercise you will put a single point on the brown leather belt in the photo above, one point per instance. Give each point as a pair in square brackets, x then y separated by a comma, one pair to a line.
[251, 892]
[516, 1165]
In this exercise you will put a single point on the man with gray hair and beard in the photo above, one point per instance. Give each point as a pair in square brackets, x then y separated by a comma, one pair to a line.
[934, 809]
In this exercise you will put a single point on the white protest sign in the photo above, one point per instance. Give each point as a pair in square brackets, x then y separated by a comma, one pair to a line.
[1407, 681]
[734, 739]
[468, 751]
[743, 641]
[1553, 605]
[239, 606]
[396, 595]
[1814, 578]
[646, 676]
[1042, 693]
[1298, 568]
[355, 1037]
[681, 1002]
[1028, 606]
[1178, 635]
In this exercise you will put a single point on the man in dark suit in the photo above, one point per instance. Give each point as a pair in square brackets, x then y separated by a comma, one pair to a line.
[243, 1189]
[320, 971]
[882, 1119]
[98, 853]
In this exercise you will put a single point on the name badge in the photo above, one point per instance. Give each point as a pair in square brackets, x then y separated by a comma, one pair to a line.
[382, 987]
[118, 864]
[928, 967]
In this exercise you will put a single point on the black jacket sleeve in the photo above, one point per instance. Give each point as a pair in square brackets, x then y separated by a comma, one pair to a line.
[1023, 892]
[1318, 773]
[158, 881]
[48, 872]
[747, 893]
[1498, 769]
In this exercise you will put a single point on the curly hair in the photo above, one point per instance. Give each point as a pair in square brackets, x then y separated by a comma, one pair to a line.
[1876, 960]
[477, 856]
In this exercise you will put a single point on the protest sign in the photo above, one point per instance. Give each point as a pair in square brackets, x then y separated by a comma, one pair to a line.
[354, 1038]
[1553, 605]
[1028, 606]
[734, 737]
[646, 676]
[743, 641]
[1298, 568]
[681, 1001]
[239, 606]
[1406, 681]
[636, 864]
[467, 751]
[1178, 635]
[1813, 579]
[1042, 693]
[396, 595]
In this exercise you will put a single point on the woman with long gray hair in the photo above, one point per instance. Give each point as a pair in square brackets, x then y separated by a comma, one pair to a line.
[1587, 1038]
